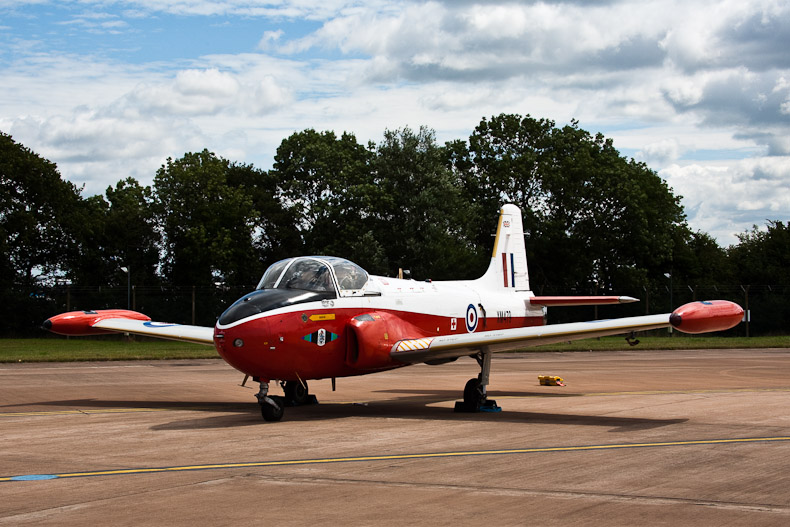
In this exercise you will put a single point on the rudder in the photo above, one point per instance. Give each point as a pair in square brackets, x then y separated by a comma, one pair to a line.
[508, 267]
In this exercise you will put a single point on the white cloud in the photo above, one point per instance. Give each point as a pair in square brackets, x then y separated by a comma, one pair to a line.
[727, 199]
[210, 83]
[659, 153]
[691, 87]
[269, 39]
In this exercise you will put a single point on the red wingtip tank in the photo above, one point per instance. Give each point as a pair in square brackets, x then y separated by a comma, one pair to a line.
[80, 323]
[706, 316]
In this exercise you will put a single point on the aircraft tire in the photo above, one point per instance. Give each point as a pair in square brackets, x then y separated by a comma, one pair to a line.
[297, 392]
[273, 413]
[473, 393]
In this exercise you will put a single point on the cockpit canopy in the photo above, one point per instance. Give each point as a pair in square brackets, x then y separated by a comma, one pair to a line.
[324, 274]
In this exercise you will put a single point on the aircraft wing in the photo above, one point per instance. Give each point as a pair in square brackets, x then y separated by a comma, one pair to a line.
[196, 334]
[696, 317]
[80, 323]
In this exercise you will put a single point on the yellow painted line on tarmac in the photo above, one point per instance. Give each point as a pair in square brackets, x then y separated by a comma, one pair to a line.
[392, 457]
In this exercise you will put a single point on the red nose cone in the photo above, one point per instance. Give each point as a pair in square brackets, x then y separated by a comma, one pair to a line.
[707, 316]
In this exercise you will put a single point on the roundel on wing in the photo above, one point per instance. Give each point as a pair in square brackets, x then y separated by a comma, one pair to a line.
[471, 318]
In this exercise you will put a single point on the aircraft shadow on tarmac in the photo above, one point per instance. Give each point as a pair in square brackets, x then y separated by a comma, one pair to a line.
[493, 394]
[417, 406]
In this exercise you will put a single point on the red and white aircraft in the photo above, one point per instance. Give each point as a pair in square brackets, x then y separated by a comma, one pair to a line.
[316, 317]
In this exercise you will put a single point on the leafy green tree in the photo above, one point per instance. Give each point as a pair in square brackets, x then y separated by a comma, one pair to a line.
[117, 232]
[39, 222]
[275, 234]
[762, 256]
[593, 219]
[207, 224]
[616, 218]
[422, 213]
[761, 261]
[327, 186]
[698, 260]
[131, 230]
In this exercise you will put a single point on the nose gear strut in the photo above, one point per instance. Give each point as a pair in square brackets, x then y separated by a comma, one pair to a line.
[272, 408]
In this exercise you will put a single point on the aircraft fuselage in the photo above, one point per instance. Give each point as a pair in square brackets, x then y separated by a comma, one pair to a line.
[314, 337]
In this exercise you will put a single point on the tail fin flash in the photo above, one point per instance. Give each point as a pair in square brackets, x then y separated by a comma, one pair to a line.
[508, 268]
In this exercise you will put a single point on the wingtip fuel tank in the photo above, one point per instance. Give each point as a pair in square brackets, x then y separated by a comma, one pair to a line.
[706, 316]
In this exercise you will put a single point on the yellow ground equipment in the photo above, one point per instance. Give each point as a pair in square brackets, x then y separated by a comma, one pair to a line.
[550, 380]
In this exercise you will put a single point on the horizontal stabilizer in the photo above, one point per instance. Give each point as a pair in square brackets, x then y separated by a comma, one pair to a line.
[580, 300]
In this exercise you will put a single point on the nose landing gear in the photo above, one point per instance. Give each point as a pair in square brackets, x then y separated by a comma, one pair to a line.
[272, 408]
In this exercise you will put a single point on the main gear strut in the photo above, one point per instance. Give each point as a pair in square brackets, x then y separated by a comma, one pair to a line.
[475, 395]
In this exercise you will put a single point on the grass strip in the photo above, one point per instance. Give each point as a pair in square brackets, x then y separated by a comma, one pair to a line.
[93, 349]
[119, 348]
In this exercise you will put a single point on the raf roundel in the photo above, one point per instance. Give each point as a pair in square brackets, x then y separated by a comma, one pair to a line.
[471, 318]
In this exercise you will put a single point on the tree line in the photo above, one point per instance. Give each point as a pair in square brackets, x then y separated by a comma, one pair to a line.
[594, 220]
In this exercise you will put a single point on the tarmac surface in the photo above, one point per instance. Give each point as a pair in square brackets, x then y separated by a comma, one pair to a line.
[635, 438]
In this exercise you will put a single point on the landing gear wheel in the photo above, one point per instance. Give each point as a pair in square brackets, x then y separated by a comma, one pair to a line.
[296, 392]
[272, 412]
[473, 394]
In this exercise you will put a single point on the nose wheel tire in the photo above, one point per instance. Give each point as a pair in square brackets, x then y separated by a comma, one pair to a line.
[272, 411]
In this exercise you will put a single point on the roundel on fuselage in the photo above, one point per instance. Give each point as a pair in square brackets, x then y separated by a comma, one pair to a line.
[471, 318]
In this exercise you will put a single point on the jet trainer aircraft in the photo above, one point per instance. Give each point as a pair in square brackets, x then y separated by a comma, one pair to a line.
[319, 317]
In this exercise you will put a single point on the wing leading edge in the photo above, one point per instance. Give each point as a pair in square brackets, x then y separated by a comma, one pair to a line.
[696, 317]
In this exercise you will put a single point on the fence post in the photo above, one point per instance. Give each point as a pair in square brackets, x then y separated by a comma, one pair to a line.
[746, 302]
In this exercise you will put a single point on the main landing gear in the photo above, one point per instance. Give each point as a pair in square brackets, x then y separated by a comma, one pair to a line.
[296, 393]
[475, 397]
[273, 406]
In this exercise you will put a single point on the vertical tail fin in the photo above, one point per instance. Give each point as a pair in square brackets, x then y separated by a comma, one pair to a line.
[508, 268]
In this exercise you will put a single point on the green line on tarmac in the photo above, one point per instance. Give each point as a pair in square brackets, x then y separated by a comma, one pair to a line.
[433, 455]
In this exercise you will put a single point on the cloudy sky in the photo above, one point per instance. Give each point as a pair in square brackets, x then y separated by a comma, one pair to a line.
[697, 89]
